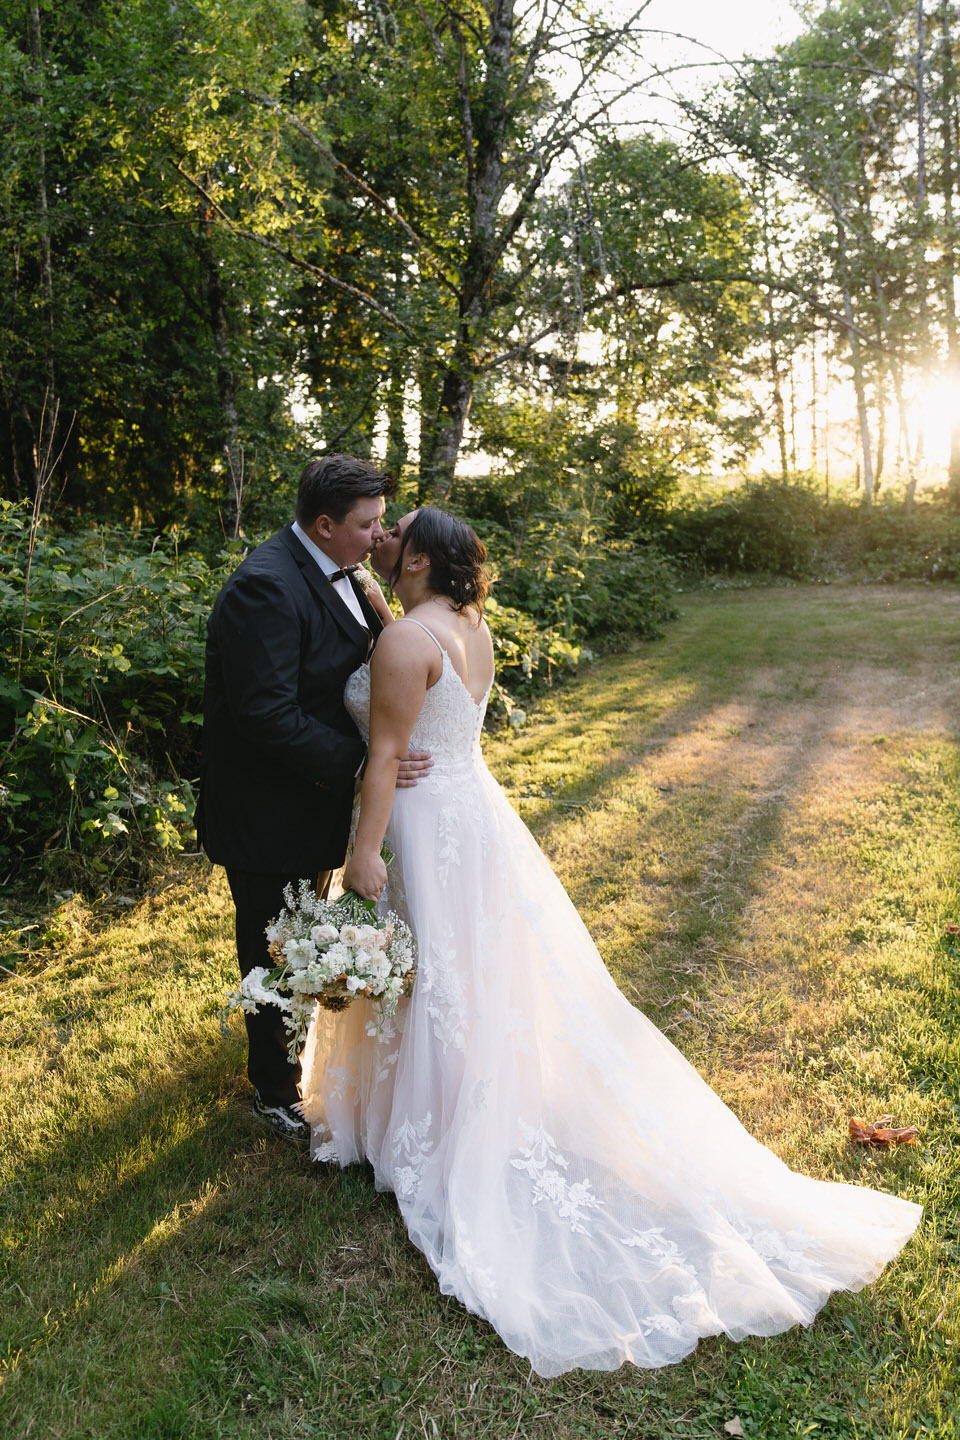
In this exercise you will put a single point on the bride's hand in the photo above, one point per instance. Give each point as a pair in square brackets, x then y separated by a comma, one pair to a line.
[365, 873]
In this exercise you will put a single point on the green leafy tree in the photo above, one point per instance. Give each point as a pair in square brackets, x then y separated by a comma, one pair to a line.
[125, 301]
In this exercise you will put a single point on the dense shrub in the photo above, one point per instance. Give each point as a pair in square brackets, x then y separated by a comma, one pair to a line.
[101, 693]
[613, 589]
[922, 546]
[560, 558]
[102, 648]
[774, 528]
[766, 528]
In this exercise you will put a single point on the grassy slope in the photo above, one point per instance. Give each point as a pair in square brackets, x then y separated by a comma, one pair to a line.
[759, 817]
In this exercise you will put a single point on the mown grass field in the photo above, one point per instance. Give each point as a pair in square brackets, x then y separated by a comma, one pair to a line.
[759, 816]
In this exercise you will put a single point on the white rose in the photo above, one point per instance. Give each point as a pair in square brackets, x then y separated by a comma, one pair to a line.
[367, 936]
[349, 935]
[324, 934]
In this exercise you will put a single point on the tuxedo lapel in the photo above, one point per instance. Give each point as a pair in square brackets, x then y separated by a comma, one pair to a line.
[369, 614]
[321, 588]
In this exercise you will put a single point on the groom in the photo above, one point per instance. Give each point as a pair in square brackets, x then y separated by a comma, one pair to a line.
[280, 752]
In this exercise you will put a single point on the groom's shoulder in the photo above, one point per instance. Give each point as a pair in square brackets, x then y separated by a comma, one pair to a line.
[268, 574]
[274, 556]
[278, 549]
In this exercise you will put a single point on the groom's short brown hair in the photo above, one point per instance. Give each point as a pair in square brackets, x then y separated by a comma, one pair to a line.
[333, 484]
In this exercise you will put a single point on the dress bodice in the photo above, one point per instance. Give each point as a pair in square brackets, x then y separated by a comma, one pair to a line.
[449, 723]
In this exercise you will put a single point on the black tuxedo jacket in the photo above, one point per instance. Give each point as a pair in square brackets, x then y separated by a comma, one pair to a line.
[280, 752]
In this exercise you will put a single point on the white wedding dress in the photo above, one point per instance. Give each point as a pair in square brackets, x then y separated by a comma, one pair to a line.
[565, 1171]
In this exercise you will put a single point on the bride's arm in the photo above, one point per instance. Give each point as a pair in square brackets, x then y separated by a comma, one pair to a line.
[399, 672]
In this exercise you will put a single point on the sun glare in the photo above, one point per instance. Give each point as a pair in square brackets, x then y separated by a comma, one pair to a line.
[937, 408]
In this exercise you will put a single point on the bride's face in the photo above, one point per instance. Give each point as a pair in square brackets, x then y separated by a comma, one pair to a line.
[385, 556]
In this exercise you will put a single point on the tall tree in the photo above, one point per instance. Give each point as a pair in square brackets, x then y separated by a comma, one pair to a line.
[437, 134]
[156, 329]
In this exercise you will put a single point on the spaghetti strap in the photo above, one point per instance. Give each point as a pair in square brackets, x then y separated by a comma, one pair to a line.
[443, 651]
[447, 660]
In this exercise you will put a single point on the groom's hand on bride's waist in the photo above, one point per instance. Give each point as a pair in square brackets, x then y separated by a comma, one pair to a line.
[416, 765]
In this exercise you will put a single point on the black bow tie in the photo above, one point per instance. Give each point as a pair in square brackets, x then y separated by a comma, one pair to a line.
[344, 573]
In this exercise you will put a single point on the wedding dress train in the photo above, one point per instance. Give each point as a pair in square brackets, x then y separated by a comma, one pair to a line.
[565, 1171]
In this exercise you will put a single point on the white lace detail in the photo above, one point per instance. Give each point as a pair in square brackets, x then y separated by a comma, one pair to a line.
[789, 1248]
[569, 1201]
[409, 1144]
[469, 1264]
[449, 724]
[655, 1243]
[343, 1078]
[448, 827]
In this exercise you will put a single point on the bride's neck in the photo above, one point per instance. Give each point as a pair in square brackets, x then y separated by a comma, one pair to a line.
[413, 591]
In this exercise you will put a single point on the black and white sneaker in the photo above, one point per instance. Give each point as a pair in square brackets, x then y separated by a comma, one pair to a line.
[284, 1120]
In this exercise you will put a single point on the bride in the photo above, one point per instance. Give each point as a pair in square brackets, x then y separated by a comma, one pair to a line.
[565, 1171]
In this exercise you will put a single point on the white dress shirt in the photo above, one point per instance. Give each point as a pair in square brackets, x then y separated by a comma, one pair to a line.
[342, 586]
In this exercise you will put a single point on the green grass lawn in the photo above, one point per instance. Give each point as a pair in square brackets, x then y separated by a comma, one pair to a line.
[759, 817]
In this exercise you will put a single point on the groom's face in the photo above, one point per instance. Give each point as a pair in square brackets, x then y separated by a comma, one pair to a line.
[350, 540]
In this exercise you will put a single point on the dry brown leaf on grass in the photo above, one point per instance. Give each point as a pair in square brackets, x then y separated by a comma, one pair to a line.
[881, 1133]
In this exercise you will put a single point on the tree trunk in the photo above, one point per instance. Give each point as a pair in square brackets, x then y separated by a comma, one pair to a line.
[43, 213]
[773, 355]
[38, 96]
[948, 185]
[484, 127]
[428, 390]
[455, 398]
[921, 113]
[226, 384]
[856, 361]
[826, 418]
[778, 410]
[396, 433]
[814, 447]
[896, 374]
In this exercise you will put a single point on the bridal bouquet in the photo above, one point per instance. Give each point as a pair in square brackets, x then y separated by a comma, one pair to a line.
[330, 952]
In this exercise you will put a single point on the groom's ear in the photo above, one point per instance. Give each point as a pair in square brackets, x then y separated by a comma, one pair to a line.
[321, 529]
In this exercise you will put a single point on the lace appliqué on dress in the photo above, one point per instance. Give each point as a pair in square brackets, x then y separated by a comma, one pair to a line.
[409, 1143]
[569, 1201]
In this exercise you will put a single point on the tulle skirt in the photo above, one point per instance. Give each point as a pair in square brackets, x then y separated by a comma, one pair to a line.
[565, 1171]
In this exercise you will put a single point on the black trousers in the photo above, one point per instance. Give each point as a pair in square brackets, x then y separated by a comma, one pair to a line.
[258, 899]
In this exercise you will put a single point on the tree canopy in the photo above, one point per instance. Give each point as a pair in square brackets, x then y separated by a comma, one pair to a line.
[234, 232]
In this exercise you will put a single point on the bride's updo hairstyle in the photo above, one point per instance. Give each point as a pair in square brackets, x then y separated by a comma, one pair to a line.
[456, 554]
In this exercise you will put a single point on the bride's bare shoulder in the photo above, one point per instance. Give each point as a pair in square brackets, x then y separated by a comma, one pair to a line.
[407, 650]
[403, 639]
